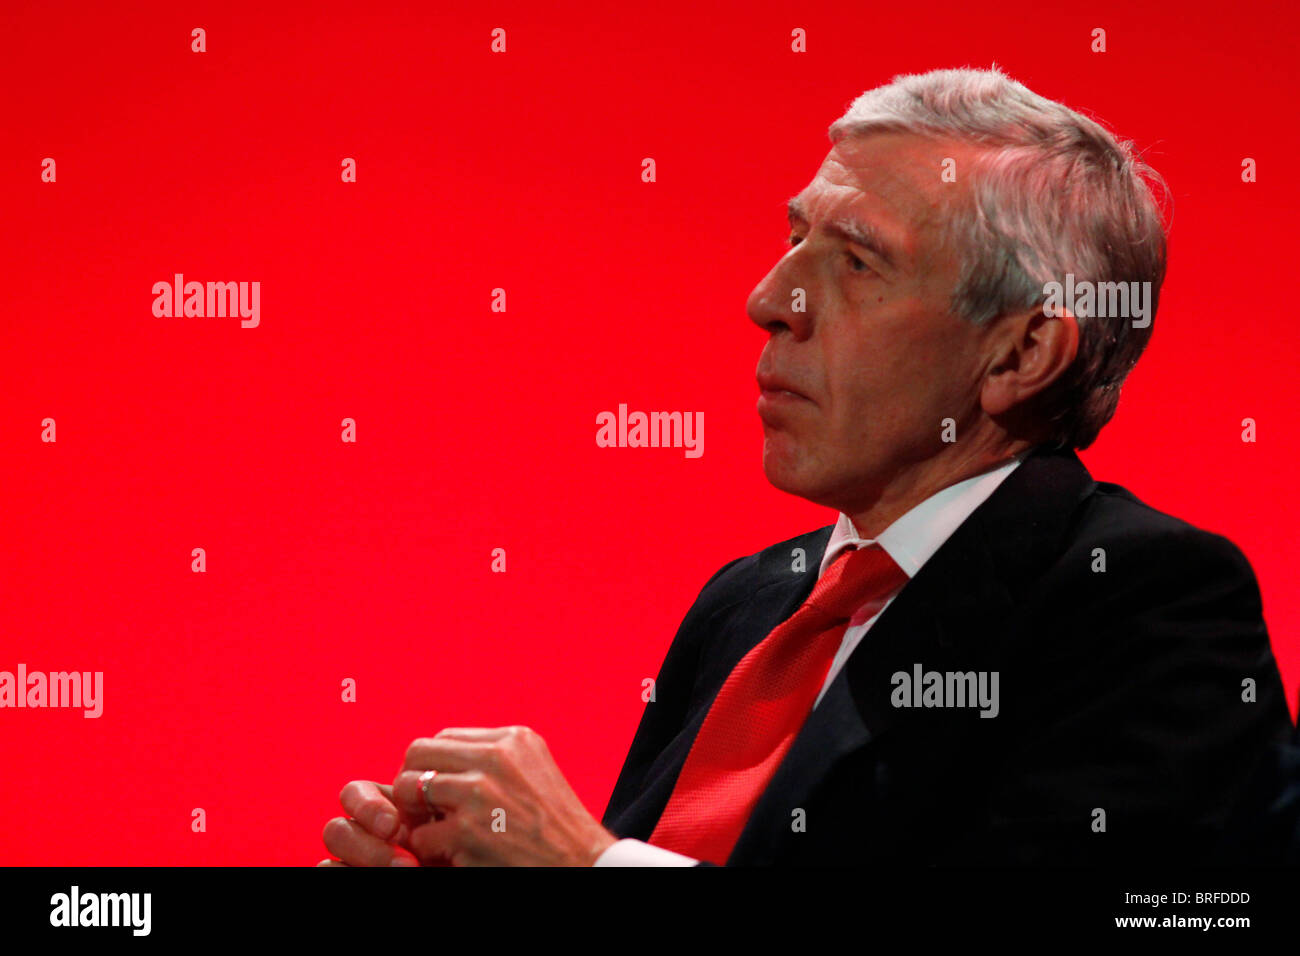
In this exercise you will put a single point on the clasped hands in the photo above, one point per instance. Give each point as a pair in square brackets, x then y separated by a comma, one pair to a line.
[497, 799]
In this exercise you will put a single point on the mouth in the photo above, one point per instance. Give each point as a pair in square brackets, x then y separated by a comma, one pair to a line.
[774, 389]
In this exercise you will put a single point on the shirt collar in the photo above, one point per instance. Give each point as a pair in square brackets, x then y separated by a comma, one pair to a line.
[913, 538]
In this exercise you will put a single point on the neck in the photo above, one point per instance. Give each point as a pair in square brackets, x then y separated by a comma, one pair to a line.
[914, 484]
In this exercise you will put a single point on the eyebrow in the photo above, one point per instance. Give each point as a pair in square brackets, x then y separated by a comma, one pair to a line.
[851, 230]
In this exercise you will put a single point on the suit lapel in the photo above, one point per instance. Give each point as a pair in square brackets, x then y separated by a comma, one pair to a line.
[940, 619]
[745, 617]
[777, 594]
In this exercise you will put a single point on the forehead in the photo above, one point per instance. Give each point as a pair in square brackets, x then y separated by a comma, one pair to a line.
[891, 182]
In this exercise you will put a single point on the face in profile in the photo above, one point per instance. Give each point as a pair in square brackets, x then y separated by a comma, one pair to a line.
[854, 389]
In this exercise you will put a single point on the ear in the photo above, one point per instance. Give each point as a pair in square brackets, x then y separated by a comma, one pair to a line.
[1027, 352]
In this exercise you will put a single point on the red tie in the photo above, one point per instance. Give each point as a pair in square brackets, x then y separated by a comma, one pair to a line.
[761, 706]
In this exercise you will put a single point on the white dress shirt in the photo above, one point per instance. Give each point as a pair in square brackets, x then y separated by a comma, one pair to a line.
[910, 541]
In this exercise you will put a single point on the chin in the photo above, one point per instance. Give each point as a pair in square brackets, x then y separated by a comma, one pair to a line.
[788, 470]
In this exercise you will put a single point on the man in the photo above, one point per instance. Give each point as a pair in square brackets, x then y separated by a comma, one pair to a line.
[989, 657]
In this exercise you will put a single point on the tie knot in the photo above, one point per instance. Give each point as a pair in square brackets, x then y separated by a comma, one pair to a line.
[853, 579]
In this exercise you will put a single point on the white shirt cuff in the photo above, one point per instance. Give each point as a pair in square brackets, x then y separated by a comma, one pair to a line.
[636, 853]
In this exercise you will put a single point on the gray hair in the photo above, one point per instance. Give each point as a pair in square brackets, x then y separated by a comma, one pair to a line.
[1054, 193]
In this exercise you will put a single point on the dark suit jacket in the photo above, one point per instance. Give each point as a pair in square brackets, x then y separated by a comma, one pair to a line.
[1121, 693]
[1265, 828]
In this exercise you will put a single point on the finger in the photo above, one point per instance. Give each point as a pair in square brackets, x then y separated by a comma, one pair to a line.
[408, 797]
[411, 800]
[366, 802]
[474, 733]
[448, 754]
[351, 843]
[436, 843]
[331, 863]
[445, 792]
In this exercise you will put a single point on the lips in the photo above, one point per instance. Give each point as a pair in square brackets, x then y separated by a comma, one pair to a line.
[773, 386]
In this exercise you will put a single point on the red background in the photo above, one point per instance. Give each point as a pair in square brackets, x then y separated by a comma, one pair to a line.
[476, 429]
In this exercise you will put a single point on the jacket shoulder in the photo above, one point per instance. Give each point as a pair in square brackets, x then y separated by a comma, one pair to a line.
[1140, 536]
[739, 578]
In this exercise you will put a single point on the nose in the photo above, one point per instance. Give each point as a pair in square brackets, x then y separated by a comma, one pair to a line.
[773, 304]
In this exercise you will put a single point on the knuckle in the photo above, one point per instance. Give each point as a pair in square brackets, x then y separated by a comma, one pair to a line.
[525, 738]
[416, 746]
[476, 784]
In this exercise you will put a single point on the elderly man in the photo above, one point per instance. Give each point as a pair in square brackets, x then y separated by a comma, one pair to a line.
[989, 657]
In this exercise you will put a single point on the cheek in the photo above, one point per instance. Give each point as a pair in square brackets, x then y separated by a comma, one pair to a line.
[870, 376]
[903, 379]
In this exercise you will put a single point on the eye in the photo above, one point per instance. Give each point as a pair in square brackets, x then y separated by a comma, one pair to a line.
[857, 264]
